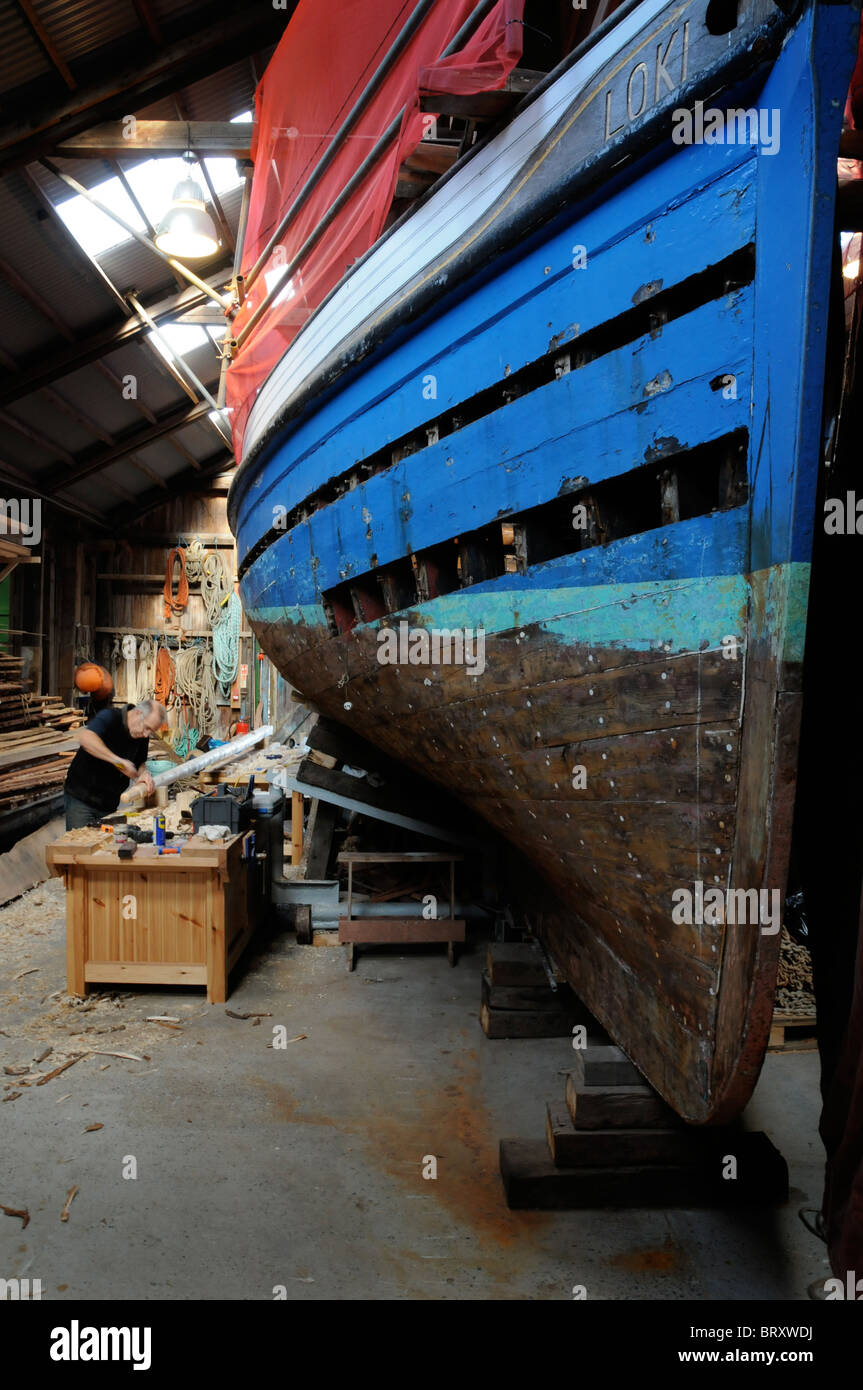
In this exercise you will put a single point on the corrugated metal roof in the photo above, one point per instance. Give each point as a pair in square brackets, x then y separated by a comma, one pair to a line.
[22, 57]
[23, 331]
[38, 251]
[78, 29]
[168, 10]
[54, 425]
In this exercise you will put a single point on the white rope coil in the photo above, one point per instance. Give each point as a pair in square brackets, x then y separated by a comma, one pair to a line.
[226, 646]
[193, 668]
[194, 560]
[145, 685]
[216, 586]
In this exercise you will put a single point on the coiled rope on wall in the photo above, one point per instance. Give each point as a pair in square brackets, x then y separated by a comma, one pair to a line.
[194, 560]
[224, 614]
[175, 605]
[216, 587]
[164, 683]
[196, 686]
[184, 739]
[145, 684]
[226, 645]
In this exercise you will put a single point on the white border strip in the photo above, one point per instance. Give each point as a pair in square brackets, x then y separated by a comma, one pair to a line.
[439, 224]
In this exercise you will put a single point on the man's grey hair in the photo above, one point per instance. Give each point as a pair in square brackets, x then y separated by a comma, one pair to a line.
[148, 707]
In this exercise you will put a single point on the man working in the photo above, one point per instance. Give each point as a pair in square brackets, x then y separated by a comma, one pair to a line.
[113, 749]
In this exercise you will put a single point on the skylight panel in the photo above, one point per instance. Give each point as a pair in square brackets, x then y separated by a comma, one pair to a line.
[180, 338]
[95, 232]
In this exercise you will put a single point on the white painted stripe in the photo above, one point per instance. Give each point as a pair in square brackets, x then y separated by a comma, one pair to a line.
[433, 228]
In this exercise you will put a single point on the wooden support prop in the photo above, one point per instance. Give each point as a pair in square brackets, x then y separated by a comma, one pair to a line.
[356, 794]
[296, 827]
[530, 997]
[318, 841]
[793, 1033]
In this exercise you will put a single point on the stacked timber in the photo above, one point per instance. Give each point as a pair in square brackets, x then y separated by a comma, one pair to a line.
[35, 748]
[32, 764]
[20, 709]
[521, 997]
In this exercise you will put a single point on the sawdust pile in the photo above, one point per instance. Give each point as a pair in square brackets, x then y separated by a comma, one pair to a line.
[42, 1026]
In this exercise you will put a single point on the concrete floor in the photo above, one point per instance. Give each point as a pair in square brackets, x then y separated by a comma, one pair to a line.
[302, 1167]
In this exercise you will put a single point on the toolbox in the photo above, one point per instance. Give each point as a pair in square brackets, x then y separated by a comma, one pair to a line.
[222, 807]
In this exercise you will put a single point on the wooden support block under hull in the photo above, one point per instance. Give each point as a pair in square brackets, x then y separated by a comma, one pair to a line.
[532, 1182]
[529, 1023]
[604, 1065]
[519, 964]
[595, 1148]
[535, 997]
[618, 1107]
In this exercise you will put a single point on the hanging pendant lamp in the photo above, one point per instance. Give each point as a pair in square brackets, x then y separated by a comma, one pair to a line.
[187, 229]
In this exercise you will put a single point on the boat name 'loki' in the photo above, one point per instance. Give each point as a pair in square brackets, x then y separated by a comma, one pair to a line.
[648, 81]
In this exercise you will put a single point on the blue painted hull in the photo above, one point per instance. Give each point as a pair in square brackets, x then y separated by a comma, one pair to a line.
[668, 380]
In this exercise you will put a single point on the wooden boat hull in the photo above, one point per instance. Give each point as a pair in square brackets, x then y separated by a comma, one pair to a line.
[606, 464]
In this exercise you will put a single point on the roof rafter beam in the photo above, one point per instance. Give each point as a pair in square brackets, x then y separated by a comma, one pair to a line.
[144, 11]
[29, 487]
[161, 140]
[33, 297]
[48, 44]
[128, 443]
[52, 366]
[88, 264]
[221, 37]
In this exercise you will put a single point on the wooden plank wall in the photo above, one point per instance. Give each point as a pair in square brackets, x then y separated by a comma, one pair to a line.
[137, 605]
[59, 606]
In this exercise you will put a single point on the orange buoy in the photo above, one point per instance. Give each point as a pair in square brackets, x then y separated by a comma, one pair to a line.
[94, 680]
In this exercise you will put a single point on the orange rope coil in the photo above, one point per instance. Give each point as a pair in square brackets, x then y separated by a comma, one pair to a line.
[174, 606]
[165, 678]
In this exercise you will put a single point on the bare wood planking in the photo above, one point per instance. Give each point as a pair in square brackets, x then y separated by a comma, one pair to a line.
[144, 973]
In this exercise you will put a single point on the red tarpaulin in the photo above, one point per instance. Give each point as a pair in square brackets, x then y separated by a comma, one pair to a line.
[316, 74]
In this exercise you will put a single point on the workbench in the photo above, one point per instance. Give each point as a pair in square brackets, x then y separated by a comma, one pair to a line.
[169, 919]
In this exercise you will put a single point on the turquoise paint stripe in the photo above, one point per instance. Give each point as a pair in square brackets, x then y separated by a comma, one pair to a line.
[297, 614]
[646, 615]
